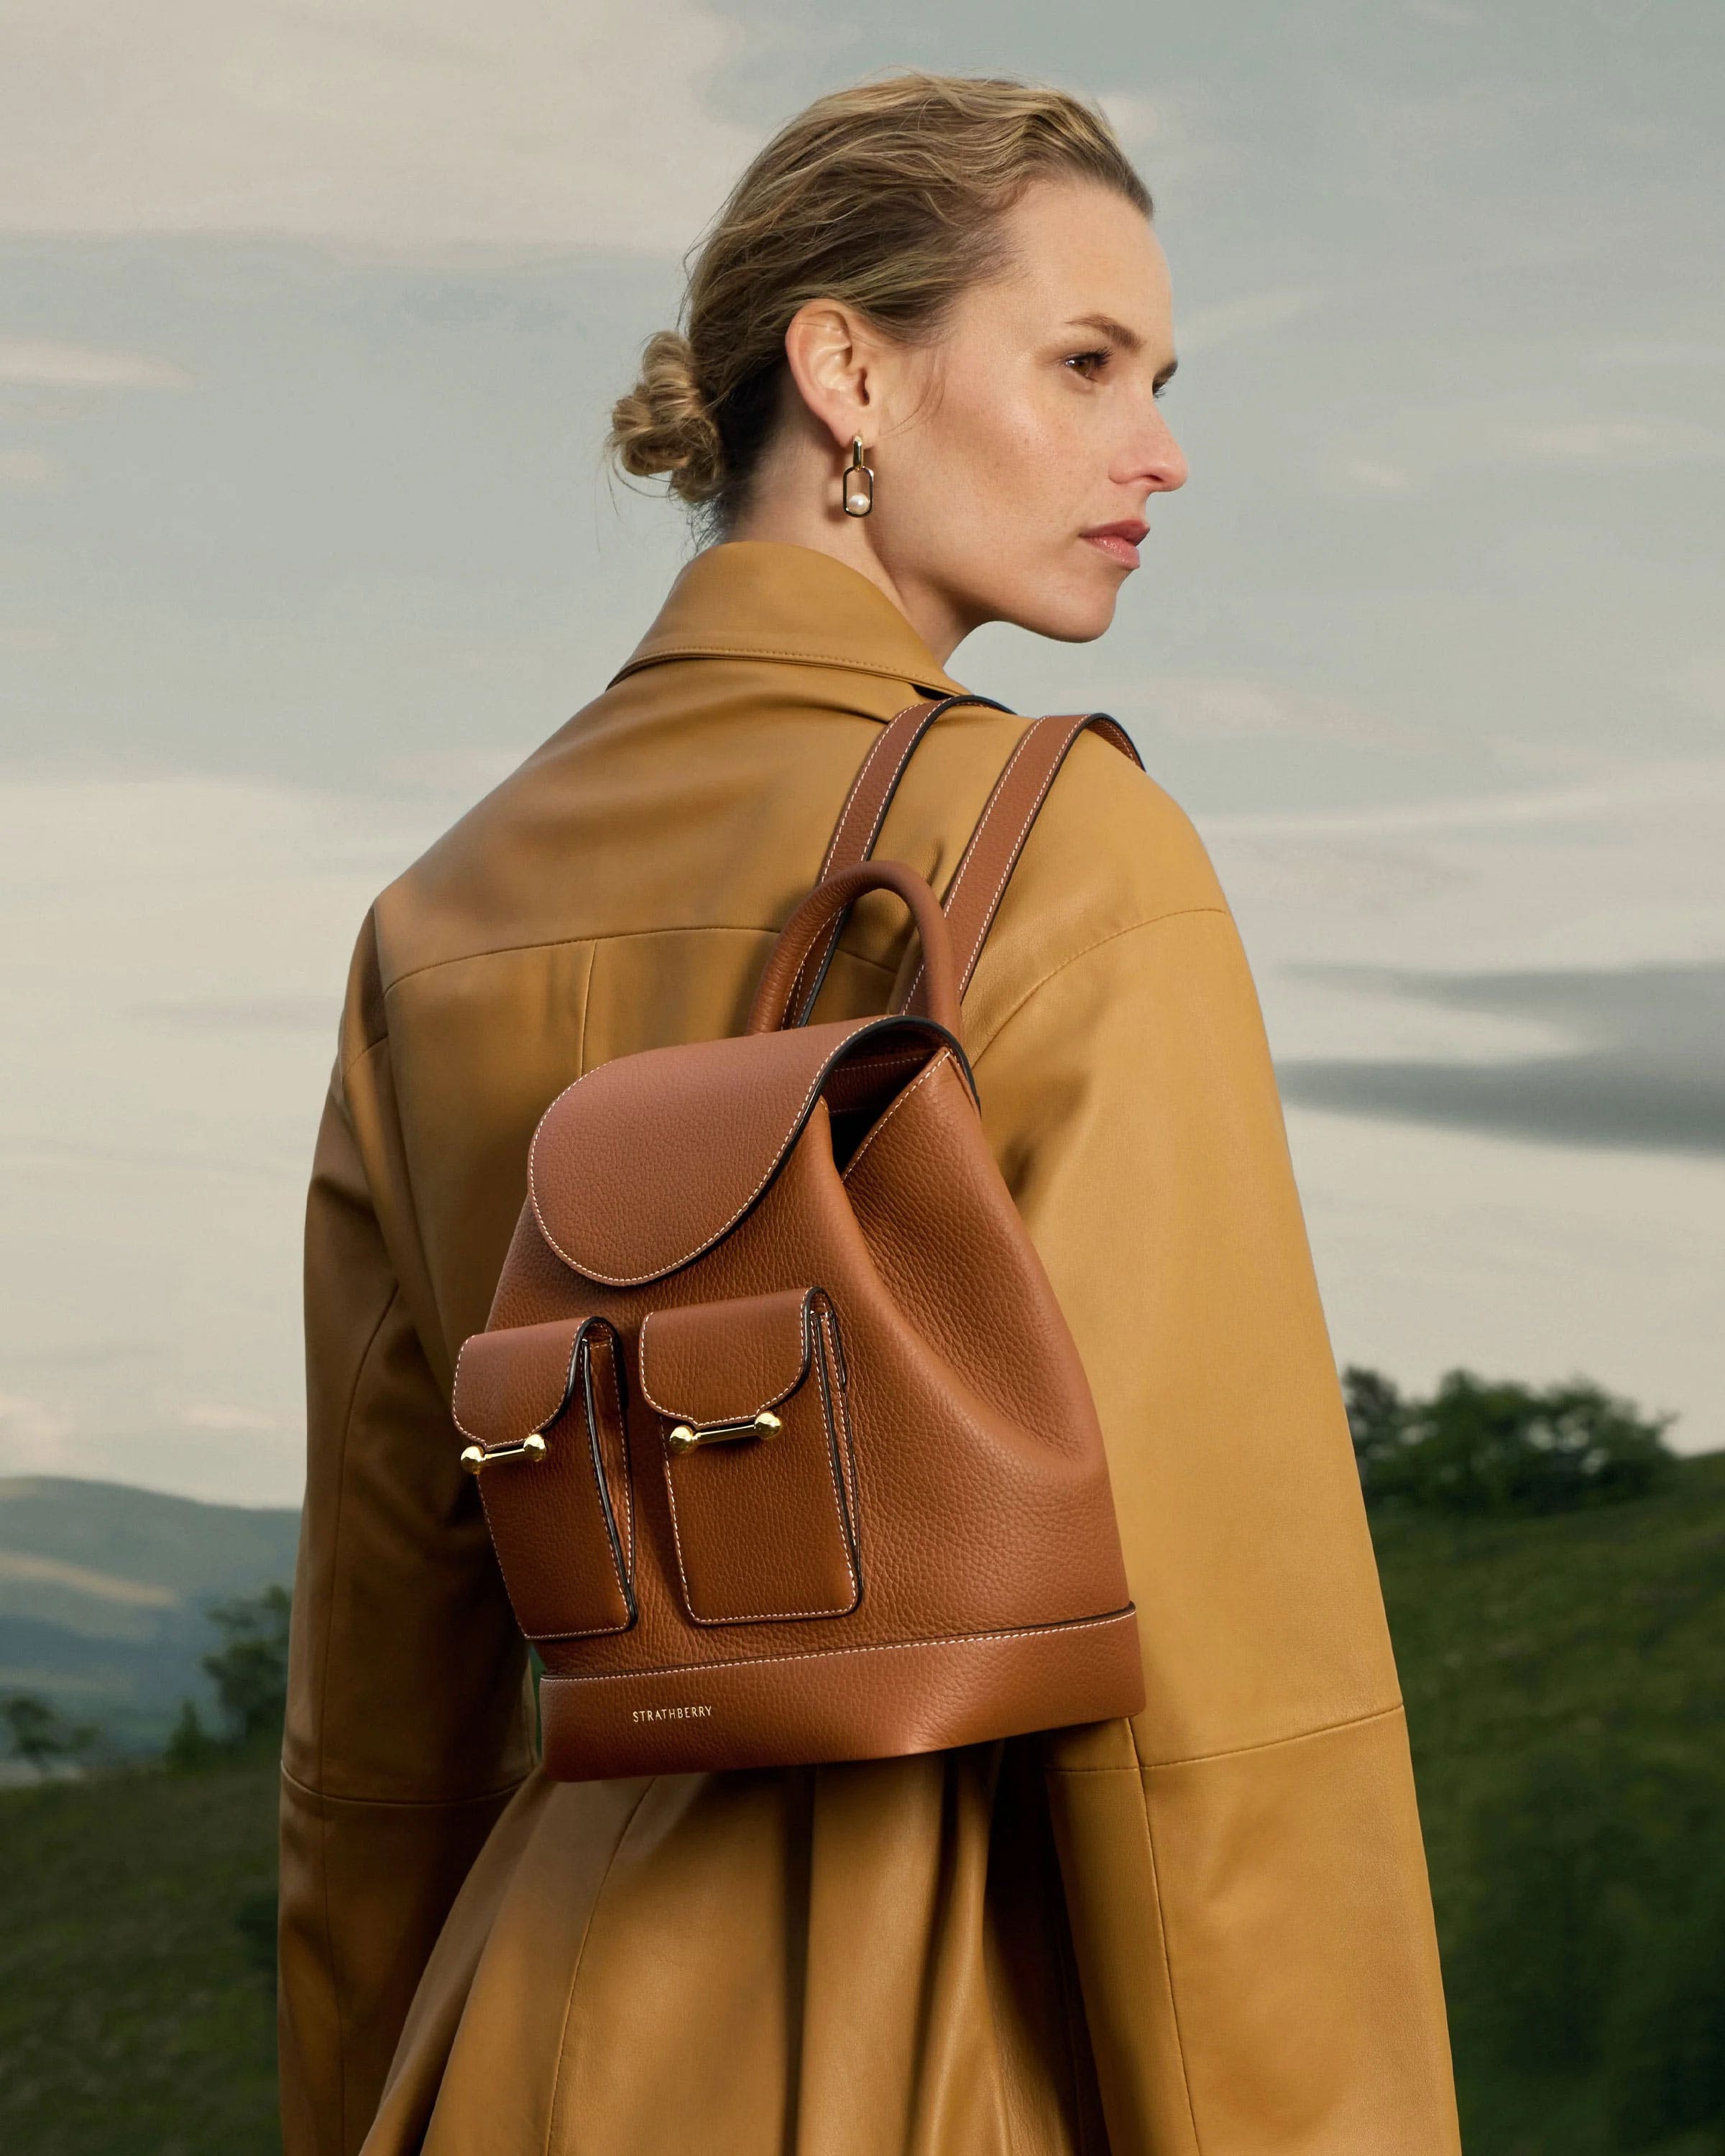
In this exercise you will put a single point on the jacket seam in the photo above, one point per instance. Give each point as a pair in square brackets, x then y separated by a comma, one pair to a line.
[848, 661]
[398, 1804]
[586, 981]
[1112, 935]
[1396, 1706]
[1173, 1988]
[323, 1684]
[353, 1062]
[597, 936]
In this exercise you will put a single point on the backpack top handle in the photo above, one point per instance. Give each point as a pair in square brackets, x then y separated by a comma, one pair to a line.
[860, 821]
[938, 976]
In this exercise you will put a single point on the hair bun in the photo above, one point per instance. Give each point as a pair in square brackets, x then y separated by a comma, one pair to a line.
[665, 423]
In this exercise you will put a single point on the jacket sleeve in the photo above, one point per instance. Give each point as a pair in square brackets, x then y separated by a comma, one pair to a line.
[1244, 1873]
[408, 1714]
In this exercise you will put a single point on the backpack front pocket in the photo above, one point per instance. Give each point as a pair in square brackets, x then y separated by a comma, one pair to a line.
[541, 1407]
[752, 1399]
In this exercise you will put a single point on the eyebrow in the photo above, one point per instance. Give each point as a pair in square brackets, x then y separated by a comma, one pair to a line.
[1127, 339]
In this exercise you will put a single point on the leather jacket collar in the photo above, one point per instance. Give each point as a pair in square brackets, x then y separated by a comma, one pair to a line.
[759, 598]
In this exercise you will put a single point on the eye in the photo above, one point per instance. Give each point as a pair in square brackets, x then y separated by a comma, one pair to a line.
[1080, 361]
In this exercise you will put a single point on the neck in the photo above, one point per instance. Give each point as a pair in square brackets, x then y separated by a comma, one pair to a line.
[799, 508]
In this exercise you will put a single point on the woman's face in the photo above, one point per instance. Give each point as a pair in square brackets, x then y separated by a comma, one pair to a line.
[1006, 451]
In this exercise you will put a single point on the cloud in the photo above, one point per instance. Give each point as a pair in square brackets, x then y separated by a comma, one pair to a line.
[243, 1014]
[1670, 781]
[1199, 329]
[1376, 476]
[1614, 441]
[399, 126]
[34, 1437]
[1172, 134]
[32, 362]
[1656, 352]
[24, 470]
[1210, 706]
[1699, 682]
[1421, 445]
[1646, 1068]
[240, 1422]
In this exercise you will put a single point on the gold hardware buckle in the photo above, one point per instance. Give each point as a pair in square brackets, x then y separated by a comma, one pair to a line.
[685, 1438]
[532, 1447]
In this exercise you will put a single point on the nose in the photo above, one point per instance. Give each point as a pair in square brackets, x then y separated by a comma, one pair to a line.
[1160, 462]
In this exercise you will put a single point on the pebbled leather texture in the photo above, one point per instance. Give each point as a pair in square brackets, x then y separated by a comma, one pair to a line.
[764, 1522]
[724, 1362]
[563, 1525]
[938, 1484]
[721, 1114]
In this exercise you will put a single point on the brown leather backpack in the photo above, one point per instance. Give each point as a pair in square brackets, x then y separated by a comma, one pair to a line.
[784, 1446]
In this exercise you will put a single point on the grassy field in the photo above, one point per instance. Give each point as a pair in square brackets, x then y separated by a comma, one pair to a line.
[1509, 1632]
[135, 2015]
[1583, 1639]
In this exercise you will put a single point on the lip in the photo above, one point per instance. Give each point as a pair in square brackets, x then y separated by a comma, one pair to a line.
[1119, 541]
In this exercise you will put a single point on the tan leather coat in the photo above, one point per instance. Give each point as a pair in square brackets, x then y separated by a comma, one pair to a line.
[1208, 1929]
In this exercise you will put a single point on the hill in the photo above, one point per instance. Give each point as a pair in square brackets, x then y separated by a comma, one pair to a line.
[136, 1905]
[103, 1592]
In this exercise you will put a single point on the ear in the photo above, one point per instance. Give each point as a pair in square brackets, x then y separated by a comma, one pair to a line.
[835, 361]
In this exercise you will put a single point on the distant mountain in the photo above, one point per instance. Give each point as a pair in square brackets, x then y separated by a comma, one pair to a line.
[104, 1590]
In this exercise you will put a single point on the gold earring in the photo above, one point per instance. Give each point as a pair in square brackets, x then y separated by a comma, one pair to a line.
[858, 483]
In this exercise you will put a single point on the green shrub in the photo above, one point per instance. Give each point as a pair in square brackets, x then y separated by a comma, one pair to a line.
[40, 1733]
[1478, 1446]
[249, 1674]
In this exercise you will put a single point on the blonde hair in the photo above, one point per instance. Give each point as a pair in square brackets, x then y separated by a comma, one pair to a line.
[888, 196]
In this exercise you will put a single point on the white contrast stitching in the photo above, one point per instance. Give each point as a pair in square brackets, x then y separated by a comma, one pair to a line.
[945, 1056]
[829, 1418]
[863, 770]
[832, 931]
[676, 1414]
[967, 961]
[841, 1413]
[590, 1631]
[639, 1280]
[757, 1616]
[620, 1565]
[614, 1362]
[550, 1413]
[825, 1654]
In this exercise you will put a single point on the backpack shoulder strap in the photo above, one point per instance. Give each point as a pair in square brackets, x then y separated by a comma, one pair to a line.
[858, 826]
[972, 897]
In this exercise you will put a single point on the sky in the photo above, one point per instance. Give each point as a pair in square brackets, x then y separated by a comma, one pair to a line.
[312, 314]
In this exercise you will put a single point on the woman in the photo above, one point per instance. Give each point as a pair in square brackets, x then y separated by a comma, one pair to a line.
[1207, 1929]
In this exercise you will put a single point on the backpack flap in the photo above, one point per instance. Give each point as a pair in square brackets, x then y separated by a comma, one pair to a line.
[641, 1167]
[751, 1395]
[542, 1409]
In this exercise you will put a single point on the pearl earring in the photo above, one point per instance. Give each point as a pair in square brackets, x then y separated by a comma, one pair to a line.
[858, 483]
